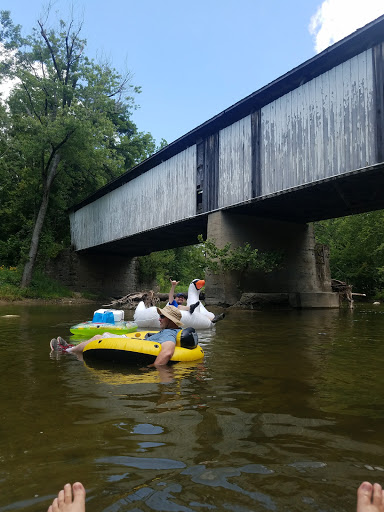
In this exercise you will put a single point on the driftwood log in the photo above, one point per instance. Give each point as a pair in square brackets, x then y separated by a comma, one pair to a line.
[150, 298]
[131, 300]
[345, 292]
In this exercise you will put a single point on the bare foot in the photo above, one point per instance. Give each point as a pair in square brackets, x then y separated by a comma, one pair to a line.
[64, 502]
[370, 498]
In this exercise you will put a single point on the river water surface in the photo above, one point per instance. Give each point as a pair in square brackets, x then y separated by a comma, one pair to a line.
[285, 413]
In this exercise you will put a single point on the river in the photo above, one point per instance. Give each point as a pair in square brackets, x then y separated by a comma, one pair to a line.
[285, 413]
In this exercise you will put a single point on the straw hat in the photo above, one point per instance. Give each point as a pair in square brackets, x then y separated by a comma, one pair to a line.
[172, 314]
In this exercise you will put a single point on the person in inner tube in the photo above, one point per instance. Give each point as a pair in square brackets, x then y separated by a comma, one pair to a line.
[170, 324]
[179, 299]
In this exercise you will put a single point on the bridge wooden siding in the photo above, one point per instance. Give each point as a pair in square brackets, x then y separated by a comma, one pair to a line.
[327, 126]
[164, 194]
[324, 128]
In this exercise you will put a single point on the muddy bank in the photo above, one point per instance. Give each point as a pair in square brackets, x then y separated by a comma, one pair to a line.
[65, 300]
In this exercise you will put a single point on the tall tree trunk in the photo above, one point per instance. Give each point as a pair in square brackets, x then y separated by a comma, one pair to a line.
[30, 264]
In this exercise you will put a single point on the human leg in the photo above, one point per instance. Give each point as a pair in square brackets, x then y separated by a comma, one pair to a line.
[69, 499]
[370, 498]
[77, 349]
[61, 345]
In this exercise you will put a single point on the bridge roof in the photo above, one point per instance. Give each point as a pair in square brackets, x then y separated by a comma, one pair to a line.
[354, 192]
[357, 42]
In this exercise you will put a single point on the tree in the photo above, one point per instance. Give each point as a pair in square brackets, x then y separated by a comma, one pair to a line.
[69, 129]
[191, 262]
[242, 258]
[182, 263]
[356, 249]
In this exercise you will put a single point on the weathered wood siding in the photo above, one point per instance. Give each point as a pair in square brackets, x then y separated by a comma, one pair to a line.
[162, 195]
[323, 128]
[235, 163]
[329, 125]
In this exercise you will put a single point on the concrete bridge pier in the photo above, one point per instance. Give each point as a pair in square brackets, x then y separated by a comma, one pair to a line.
[303, 282]
[106, 275]
[109, 275]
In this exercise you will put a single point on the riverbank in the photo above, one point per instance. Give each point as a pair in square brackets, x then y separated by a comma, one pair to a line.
[65, 300]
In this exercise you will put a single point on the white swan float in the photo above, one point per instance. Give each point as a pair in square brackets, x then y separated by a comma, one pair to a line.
[201, 318]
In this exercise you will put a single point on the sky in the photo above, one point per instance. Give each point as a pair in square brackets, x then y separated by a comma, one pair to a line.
[194, 60]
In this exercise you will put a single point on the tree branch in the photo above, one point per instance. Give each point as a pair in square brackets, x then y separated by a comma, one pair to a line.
[47, 42]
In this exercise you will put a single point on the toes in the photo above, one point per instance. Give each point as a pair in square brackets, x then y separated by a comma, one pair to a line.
[377, 495]
[55, 506]
[78, 491]
[364, 494]
[67, 494]
[60, 498]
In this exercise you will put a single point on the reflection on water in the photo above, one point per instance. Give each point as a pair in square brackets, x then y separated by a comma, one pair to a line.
[286, 412]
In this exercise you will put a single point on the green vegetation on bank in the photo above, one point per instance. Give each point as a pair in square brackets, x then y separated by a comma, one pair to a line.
[187, 263]
[41, 287]
[356, 246]
[183, 264]
[65, 131]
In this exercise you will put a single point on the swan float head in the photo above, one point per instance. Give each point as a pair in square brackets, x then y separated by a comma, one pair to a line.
[194, 291]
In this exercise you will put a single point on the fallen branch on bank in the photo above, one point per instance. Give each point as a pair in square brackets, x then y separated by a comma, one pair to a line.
[131, 300]
[345, 291]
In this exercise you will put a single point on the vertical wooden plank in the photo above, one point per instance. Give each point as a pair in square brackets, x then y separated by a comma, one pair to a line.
[262, 152]
[287, 129]
[316, 88]
[353, 150]
[246, 151]
[362, 118]
[273, 148]
[266, 142]
[371, 109]
[256, 183]
[325, 170]
[339, 134]
[378, 76]
[296, 139]
[349, 123]
[276, 155]
[199, 176]
[223, 168]
[303, 114]
[332, 106]
[211, 172]
[269, 161]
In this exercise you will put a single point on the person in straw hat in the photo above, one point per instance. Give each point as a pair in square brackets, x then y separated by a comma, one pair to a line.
[170, 325]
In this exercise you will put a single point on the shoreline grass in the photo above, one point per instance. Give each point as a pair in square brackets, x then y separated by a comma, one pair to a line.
[41, 287]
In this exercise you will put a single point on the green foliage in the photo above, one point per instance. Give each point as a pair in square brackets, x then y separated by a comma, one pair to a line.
[242, 258]
[356, 246]
[182, 264]
[41, 286]
[187, 263]
[67, 105]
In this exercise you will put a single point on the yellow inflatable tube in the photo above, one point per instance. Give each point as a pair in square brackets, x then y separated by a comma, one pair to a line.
[135, 349]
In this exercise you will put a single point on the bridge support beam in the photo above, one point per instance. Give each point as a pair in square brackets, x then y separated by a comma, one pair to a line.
[106, 275]
[305, 280]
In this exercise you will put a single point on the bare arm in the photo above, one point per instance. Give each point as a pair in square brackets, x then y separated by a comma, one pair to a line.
[171, 295]
[166, 352]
